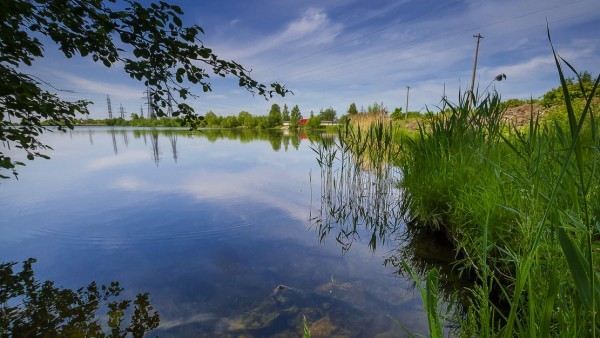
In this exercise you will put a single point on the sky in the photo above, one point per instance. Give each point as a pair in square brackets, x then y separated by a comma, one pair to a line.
[331, 53]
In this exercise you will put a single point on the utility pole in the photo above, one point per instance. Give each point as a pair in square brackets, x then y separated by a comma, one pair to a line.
[109, 107]
[478, 37]
[406, 107]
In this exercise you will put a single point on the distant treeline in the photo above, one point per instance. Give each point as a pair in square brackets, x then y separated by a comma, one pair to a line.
[278, 117]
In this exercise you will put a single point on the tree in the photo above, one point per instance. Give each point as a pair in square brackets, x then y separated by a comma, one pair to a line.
[314, 122]
[275, 115]
[211, 119]
[555, 96]
[396, 114]
[295, 117]
[327, 114]
[377, 109]
[32, 308]
[285, 115]
[245, 119]
[352, 109]
[262, 122]
[230, 122]
[150, 42]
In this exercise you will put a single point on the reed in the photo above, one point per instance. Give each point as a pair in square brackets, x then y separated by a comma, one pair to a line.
[522, 206]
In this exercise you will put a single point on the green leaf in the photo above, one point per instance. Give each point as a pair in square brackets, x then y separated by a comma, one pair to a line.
[577, 265]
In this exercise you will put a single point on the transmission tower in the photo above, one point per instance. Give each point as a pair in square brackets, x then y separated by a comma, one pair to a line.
[122, 111]
[170, 107]
[149, 99]
[109, 107]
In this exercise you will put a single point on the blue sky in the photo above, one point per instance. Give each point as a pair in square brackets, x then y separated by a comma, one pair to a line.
[334, 52]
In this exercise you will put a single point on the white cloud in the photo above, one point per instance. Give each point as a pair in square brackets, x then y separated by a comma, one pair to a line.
[117, 161]
[87, 86]
[313, 27]
[333, 55]
[253, 185]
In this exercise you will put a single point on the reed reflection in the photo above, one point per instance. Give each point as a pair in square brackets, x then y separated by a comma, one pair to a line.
[361, 197]
[358, 190]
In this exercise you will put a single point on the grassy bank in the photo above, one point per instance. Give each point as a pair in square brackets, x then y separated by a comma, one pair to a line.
[521, 204]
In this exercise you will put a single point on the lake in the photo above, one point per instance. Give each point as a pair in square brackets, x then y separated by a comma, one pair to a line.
[225, 230]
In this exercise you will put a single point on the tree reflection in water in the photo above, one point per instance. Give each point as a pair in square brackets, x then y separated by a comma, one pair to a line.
[31, 308]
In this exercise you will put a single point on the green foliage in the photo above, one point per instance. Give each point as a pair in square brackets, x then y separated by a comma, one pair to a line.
[150, 42]
[515, 103]
[295, 116]
[246, 120]
[275, 118]
[397, 114]
[327, 114]
[314, 122]
[343, 119]
[285, 115]
[352, 109]
[429, 297]
[577, 88]
[377, 108]
[521, 206]
[230, 122]
[30, 308]
[305, 328]
[212, 120]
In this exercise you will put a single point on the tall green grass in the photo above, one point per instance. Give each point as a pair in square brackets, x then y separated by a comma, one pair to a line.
[522, 206]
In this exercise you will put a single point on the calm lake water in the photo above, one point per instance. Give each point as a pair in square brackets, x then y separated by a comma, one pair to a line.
[210, 224]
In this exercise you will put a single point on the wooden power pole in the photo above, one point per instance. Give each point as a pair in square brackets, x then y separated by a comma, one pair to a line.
[472, 91]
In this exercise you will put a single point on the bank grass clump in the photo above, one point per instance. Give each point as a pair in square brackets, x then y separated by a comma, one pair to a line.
[521, 205]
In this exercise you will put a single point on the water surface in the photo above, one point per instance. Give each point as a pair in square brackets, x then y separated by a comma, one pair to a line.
[210, 224]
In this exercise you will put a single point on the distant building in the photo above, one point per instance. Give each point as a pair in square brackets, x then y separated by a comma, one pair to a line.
[329, 123]
[303, 122]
